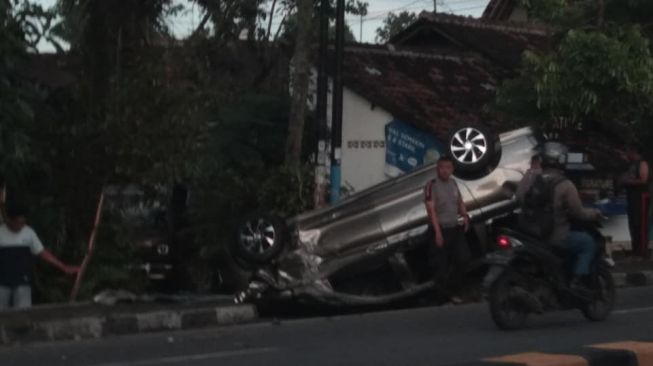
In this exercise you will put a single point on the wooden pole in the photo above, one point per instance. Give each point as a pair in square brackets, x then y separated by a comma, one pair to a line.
[91, 248]
[3, 200]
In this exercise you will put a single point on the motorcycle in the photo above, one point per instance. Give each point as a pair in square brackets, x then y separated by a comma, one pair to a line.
[528, 276]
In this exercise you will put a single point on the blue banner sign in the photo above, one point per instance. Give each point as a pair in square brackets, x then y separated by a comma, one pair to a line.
[408, 147]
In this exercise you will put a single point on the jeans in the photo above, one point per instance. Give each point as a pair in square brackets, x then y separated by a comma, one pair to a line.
[15, 297]
[582, 245]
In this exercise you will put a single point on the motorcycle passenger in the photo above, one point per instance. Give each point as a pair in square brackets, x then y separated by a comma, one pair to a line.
[567, 207]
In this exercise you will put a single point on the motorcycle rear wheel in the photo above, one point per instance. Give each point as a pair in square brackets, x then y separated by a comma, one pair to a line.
[506, 311]
[604, 296]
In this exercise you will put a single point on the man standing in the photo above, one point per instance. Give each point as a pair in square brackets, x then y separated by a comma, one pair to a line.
[449, 253]
[637, 191]
[18, 244]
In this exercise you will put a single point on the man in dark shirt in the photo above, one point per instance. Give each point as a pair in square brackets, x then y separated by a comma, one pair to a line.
[449, 251]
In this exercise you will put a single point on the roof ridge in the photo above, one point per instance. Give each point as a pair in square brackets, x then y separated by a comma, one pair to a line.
[391, 50]
[511, 26]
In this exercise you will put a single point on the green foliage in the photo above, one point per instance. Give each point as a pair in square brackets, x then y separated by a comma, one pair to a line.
[242, 172]
[560, 12]
[18, 32]
[393, 24]
[140, 109]
[352, 7]
[244, 169]
[114, 265]
[589, 13]
[600, 73]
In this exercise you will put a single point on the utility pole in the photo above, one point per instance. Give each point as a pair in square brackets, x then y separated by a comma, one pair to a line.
[336, 125]
[435, 6]
[322, 96]
[360, 39]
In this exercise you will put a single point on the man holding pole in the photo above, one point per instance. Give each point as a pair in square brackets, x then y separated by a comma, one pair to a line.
[18, 245]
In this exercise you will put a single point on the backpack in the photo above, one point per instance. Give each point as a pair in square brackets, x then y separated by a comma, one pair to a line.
[537, 217]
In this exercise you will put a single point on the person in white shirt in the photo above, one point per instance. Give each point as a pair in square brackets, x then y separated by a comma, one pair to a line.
[18, 245]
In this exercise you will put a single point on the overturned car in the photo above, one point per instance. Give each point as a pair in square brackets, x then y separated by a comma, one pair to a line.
[370, 249]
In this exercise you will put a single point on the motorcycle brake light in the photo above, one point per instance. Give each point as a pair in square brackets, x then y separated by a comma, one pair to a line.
[503, 241]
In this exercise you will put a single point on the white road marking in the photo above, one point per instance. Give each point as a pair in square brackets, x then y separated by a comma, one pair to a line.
[634, 310]
[196, 357]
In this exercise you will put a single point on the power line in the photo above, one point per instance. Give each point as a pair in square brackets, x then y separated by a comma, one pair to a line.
[469, 8]
[377, 15]
[386, 11]
[382, 16]
[449, 2]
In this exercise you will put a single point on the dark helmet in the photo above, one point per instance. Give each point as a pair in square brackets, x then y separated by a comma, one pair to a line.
[554, 154]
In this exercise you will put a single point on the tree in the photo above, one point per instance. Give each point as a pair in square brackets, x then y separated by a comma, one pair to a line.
[20, 31]
[598, 75]
[301, 63]
[230, 18]
[393, 24]
[136, 112]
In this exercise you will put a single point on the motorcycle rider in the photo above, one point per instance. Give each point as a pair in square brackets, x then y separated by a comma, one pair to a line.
[567, 207]
[529, 177]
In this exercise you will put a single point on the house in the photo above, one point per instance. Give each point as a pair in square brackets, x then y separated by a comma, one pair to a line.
[403, 98]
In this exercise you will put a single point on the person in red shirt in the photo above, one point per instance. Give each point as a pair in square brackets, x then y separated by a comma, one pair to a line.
[637, 183]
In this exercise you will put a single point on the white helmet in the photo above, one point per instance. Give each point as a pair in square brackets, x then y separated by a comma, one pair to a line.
[554, 154]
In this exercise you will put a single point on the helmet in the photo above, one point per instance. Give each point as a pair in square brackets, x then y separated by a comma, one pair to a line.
[554, 154]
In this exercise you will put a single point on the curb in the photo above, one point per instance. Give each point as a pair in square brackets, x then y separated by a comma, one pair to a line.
[609, 354]
[102, 325]
[633, 279]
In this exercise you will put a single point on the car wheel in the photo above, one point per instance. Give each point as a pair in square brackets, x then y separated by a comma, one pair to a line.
[472, 148]
[260, 239]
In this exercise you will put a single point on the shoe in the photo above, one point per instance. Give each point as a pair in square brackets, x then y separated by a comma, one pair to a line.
[456, 300]
[579, 286]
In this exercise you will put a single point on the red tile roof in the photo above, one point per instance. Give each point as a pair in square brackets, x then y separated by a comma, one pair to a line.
[442, 71]
[502, 42]
[434, 91]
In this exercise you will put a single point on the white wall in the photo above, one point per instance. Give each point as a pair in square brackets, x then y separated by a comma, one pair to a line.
[617, 228]
[363, 142]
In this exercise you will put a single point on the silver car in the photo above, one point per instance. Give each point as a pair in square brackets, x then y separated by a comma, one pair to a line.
[370, 248]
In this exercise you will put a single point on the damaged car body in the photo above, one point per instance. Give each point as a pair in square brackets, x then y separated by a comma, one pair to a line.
[369, 249]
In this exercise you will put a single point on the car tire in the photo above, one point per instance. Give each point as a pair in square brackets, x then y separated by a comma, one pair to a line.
[260, 239]
[472, 148]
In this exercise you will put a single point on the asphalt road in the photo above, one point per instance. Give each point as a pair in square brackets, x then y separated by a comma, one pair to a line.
[427, 336]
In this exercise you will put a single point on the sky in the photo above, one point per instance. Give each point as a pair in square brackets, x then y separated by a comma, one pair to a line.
[377, 11]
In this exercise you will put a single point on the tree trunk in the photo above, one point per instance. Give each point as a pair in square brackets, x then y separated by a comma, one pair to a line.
[601, 13]
[269, 31]
[301, 78]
